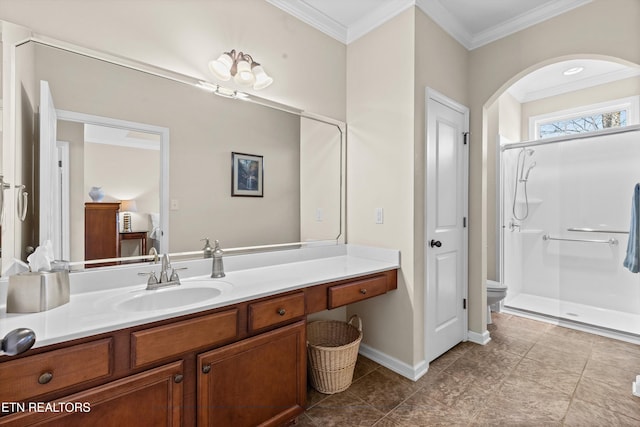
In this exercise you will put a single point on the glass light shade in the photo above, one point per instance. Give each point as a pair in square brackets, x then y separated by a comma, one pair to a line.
[244, 76]
[221, 67]
[262, 79]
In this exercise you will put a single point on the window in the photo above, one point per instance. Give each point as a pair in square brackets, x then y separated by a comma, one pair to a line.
[589, 118]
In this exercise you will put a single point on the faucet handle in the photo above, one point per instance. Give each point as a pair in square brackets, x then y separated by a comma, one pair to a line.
[174, 274]
[153, 280]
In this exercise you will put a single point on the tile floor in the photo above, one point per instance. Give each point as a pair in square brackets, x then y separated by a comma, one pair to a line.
[530, 374]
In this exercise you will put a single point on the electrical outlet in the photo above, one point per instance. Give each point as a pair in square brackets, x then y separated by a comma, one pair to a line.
[319, 214]
[379, 216]
[174, 205]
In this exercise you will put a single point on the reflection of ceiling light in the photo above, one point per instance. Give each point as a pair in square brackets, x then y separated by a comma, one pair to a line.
[244, 70]
[573, 71]
[207, 86]
[222, 91]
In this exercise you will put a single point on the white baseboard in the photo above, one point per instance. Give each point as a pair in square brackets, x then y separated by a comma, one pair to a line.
[477, 338]
[411, 372]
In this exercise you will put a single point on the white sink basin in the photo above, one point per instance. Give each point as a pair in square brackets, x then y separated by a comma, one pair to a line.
[171, 297]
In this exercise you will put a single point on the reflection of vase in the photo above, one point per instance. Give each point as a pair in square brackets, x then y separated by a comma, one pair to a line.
[96, 194]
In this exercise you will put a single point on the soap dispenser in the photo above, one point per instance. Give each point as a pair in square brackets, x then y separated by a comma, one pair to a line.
[208, 250]
[218, 268]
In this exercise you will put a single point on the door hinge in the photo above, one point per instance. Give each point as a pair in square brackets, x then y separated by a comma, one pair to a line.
[466, 137]
[464, 303]
[464, 222]
[59, 163]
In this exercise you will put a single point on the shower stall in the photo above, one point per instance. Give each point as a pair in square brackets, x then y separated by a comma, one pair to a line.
[565, 212]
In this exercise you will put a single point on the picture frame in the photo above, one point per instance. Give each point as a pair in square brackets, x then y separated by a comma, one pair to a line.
[247, 175]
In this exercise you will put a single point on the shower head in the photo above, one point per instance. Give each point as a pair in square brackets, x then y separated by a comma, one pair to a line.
[533, 165]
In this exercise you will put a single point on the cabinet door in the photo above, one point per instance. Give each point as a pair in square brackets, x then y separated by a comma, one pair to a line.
[101, 232]
[260, 381]
[152, 398]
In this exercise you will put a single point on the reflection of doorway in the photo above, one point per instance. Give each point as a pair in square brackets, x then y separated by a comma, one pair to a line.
[63, 203]
[128, 160]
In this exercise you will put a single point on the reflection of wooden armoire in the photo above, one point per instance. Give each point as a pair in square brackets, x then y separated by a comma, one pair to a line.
[101, 232]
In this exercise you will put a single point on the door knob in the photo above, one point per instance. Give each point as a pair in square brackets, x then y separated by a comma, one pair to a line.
[435, 243]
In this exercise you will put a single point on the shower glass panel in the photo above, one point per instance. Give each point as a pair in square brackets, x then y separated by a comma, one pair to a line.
[565, 233]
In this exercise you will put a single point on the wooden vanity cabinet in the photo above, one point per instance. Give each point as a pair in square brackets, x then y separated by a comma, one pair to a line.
[240, 365]
[257, 381]
[150, 399]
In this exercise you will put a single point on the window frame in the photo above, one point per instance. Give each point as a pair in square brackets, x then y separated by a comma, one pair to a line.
[631, 104]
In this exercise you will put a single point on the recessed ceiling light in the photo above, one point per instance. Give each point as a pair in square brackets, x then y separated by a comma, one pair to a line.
[573, 71]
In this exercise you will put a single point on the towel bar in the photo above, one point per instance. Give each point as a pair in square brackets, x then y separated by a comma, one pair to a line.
[594, 230]
[611, 241]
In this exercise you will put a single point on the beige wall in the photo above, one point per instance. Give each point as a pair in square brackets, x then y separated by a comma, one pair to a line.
[204, 130]
[380, 114]
[183, 36]
[386, 162]
[320, 153]
[73, 133]
[447, 75]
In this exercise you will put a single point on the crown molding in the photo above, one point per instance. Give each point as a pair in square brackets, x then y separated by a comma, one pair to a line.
[313, 17]
[389, 10]
[576, 85]
[446, 21]
[535, 16]
[434, 9]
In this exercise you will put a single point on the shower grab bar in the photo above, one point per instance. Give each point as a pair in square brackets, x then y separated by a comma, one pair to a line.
[594, 230]
[611, 241]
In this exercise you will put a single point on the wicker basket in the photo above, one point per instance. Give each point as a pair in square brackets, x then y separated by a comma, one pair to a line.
[332, 348]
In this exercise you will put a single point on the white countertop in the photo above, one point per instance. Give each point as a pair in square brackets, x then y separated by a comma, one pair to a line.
[95, 295]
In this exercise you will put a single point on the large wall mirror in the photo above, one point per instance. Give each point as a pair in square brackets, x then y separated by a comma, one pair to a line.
[162, 151]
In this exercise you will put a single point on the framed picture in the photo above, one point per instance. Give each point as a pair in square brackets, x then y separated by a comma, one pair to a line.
[247, 174]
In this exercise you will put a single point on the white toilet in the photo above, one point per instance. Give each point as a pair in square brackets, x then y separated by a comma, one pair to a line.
[496, 292]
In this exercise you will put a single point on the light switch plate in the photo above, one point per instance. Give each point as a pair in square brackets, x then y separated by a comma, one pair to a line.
[379, 216]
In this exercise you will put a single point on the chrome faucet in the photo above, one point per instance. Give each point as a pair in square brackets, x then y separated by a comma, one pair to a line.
[166, 279]
[217, 269]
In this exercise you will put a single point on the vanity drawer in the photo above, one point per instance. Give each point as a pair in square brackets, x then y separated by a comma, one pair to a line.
[275, 311]
[151, 345]
[348, 293]
[42, 373]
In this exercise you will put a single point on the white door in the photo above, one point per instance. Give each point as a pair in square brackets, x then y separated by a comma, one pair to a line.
[50, 221]
[446, 223]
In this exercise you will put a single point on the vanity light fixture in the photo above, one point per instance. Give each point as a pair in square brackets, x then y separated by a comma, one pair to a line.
[573, 71]
[241, 66]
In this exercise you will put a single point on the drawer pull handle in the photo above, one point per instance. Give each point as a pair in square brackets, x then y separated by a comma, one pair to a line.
[363, 291]
[281, 311]
[206, 369]
[177, 378]
[45, 378]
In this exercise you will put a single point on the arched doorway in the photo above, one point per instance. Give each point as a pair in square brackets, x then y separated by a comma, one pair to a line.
[604, 89]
